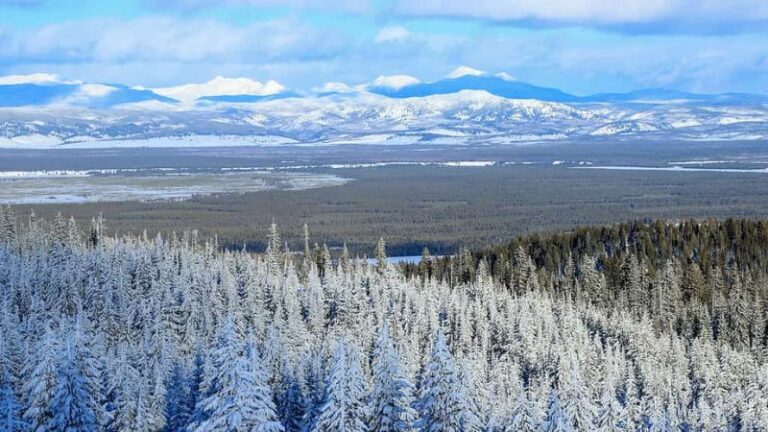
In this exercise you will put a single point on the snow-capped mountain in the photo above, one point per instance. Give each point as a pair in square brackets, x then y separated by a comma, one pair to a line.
[468, 106]
[465, 78]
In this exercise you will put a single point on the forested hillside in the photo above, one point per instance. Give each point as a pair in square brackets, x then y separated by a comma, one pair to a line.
[638, 327]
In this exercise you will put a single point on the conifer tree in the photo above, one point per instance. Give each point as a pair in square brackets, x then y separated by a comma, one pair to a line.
[179, 401]
[523, 415]
[443, 401]
[239, 398]
[344, 403]
[10, 407]
[392, 394]
[291, 404]
[556, 420]
[41, 383]
[71, 404]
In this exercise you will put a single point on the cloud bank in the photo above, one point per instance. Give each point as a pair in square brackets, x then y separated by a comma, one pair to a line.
[583, 46]
[648, 15]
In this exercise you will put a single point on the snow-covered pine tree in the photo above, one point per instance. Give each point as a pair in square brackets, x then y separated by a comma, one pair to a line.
[344, 408]
[556, 420]
[391, 396]
[523, 417]
[41, 382]
[10, 407]
[71, 404]
[290, 403]
[239, 398]
[179, 402]
[443, 401]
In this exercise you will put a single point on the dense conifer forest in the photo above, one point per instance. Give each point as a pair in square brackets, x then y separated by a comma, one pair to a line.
[636, 327]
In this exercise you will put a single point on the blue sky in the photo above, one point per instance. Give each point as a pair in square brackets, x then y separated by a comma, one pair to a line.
[582, 46]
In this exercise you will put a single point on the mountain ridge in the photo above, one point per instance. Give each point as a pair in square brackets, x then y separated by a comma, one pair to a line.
[47, 89]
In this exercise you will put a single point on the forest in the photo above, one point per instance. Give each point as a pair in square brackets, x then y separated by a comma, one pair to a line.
[647, 326]
[443, 208]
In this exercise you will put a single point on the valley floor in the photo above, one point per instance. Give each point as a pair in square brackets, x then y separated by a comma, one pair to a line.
[422, 196]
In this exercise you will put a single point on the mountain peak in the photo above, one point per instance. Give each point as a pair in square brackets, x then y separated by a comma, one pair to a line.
[464, 71]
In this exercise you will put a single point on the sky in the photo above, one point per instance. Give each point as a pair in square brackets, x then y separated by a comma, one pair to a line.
[580, 46]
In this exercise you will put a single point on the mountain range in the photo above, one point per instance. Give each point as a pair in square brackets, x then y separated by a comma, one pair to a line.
[466, 106]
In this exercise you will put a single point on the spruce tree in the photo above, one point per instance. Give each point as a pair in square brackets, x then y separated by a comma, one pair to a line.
[41, 383]
[443, 401]
[10, 407]
[392, 393]
[239, 399]
[71, 404]
[344, 408]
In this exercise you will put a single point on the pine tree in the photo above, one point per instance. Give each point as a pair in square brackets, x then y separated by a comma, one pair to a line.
[380, 253]
[71, 404]
[10, 370]
[556, 420]
[392, 394]
[290, 404]
[344, 407]
[10, 407]
[41, 383]
[239, 399]
[611, 415]
[523, 416]
[575, 399]
[179, 401]
[443, 401]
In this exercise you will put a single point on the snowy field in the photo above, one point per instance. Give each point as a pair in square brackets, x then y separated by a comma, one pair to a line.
[79, 186]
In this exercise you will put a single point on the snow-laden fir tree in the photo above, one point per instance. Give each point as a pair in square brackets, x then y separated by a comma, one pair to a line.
[443, 400]
[41, 382]
[10, 406]
[391, 396]
[72, 402]
[344, 407]
[179, 400]
[239, 399]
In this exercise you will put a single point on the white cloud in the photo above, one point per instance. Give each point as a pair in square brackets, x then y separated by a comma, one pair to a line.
[168, 39]
[221, 86]
[334, 87]
[86, 93]
[392, 34]
[36, 78]
[464, 71]
[394, 82]
[356, 6]
[505, 76]
[96, 90]
[594, 12]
